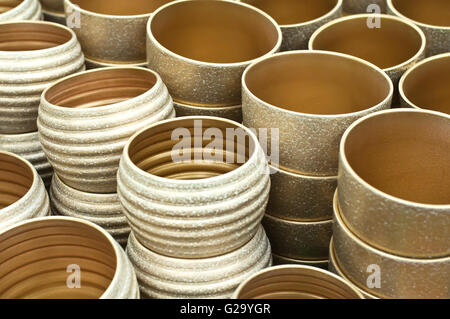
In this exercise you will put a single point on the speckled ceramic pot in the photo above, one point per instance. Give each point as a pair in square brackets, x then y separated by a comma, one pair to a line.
[53, 10]
[16, 10]
[279, 260]
[233, 113]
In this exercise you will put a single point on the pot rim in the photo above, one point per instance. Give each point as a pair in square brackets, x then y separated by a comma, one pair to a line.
[391, 6]
[209, 108]
[283, 170]
[412, 69]
[22, 5]
[211, 64]
[382, 16]
[316, 223]
[319, 116]
[349, 168]
[315, 262]
[106, 16]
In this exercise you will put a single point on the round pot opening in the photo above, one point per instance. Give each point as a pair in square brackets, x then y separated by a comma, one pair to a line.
[101, 87]
[317, 83]
[403, 154]
[289, 12]
[30, 36]
[394, 43]
[191, 149]
[120, 7]
[435, 13]
[16, 179]
[6, 5]
[214, 31]
[55, 259]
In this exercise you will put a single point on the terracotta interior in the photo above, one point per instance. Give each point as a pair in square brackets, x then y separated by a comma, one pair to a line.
[295, 283]
[16, 179]
[120, 7]
[214, 31]
[428, 86]
[155, 149]
[34, 260]
[6, 5]
[25, 36]
[406, 155]
[392, 44]
[316, 83]
[287, 12]
[432, 12]
[102, 87]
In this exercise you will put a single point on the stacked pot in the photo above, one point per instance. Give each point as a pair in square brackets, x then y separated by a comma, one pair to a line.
[84, 122]
[196, 219]
[53, 10]
[201, 48]
[48, 52]
[305, 100]
[392, 207]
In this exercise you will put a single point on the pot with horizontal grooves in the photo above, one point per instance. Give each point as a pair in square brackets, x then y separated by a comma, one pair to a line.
[38, 257]
[86, 119]
[364, 6]
[295, 282]
[279, 260]
[426, 84]
[217, 277]
[22, 192]
[194, 187]
[312, 97]
[233, 113]
[27, 146]
[33, 55]
[101, 209]
[394, 166]
[16, 10]
[400, 277]
[298, 19]
[201, 48]
[432, 17]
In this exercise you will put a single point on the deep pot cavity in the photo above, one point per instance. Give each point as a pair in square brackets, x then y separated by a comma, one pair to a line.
[434, 13]
[120, 7]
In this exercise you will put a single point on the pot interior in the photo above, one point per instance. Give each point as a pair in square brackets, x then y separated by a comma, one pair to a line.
[404, 154]
[394, 43]
[190, 149]
[428, 85]
[435, 12]
[317, 83]
[101, 87]
[120, 7]
[6, 5]
[214, 31]
[287, 12]
[16, 179]
[41, 259]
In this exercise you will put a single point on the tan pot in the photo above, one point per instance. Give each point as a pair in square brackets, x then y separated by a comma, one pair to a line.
[33, 55]
[53, 11]
[298, 19]
[295, 282]
[362, 6]
[394, 167]
[279, 260]
[40, 258]
[218, 277]
[22, 192]
[426, 84]
[233, 113]
[200, 57]
[84, 123]
[312, 97]
[15, 10]
[430, 16]
[193, 209]
[101, 209]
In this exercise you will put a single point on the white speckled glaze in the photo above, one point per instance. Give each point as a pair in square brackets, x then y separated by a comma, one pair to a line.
[25, 10]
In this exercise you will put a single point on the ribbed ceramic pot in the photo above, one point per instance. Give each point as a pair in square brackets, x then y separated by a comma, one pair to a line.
[426, 84]
[53, 10]
[41, 259]
[32, 56]
[201, 48]
[233, 113]
[295, 282]
[28, 147]
[196, 205]
[299, 240]
[298, 19]
[279, 260]
[394, 166]
[301, 198]
[399, 277]
[363, 6]
[22, 192]
[16, 10]
[393, 44]
[101, 209]
[311, 97]
[431, 16]
[86, 119]
[165, 277]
